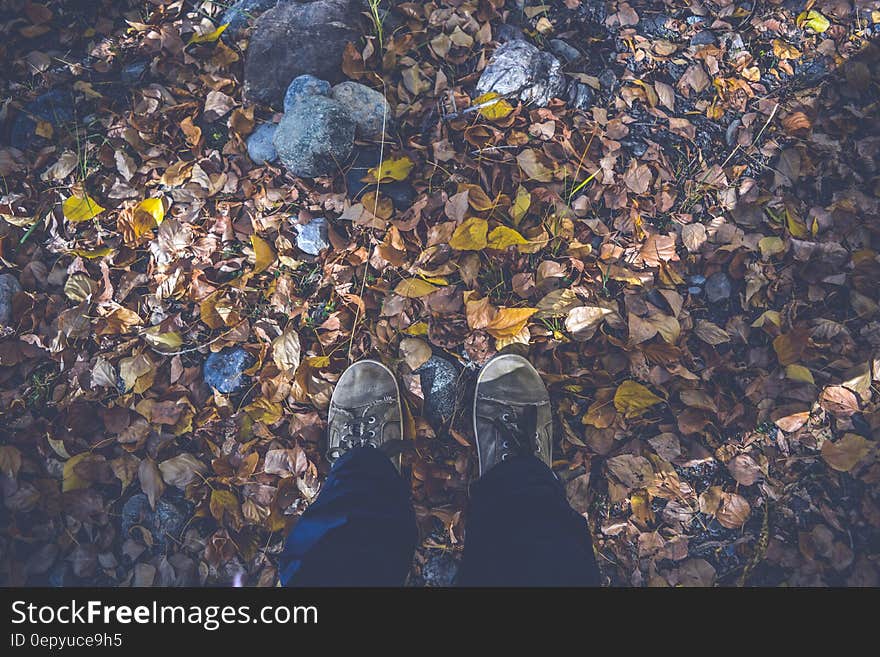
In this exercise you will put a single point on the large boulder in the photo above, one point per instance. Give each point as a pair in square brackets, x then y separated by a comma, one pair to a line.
[522, 70]
[294, 39]
[315, 138]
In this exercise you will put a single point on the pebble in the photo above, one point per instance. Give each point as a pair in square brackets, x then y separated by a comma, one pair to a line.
[224, 369]
[439, 381]
[718, 287]
[311, 238]
[260, 144]
[9, 287]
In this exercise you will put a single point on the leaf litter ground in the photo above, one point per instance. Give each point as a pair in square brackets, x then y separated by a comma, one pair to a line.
[690, 260]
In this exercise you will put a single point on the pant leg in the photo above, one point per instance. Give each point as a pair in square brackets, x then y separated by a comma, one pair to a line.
[360, 531]
[521, 531]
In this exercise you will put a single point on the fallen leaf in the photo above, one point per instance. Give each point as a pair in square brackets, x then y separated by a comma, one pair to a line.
[633, 399]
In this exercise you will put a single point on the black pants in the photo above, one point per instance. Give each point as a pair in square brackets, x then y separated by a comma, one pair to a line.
[361, 530]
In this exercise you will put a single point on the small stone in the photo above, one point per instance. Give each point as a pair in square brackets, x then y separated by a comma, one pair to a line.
[697, 279]
[54, 107]
[564, 50]
[505, 32]
[580, 95]
[607, 79]
[400, 192]
[439, 380]
[311, 238]
[9, 287]
[315, 138]
[260, 146]
[655, 25]
[521, 69]
[636, 146]
[133, 72]
[369, 109]
[164, 524]
[695, 291]
[440, 568]
[718, 287]
[304, 85]
[224, 370]
[704, 38]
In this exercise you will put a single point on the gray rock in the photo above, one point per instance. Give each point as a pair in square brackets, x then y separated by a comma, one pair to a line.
[224, 369]
[656, 25]
[718, 287]
[134, 71]
[165, 523]
[580, 96]
[369, 109]
[505, 32]
[304, 85]
[260, 146]
[311, 238]
[292, 39]
[55, 107]
[704, 38]
[239, 15]
[520, 69]
[9, 287]
[439, 380]
[440, 568]
[315, 138]
[564, 50]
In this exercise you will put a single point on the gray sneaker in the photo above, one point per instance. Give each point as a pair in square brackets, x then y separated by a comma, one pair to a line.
[511, 412]
[365, 411]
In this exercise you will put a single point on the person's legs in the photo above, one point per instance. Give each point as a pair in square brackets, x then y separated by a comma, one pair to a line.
[360, 531]
[522, 532]
[521, 529]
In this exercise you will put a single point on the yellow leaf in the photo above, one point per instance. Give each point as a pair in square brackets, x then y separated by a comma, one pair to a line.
[91, 254]
[520, 204]
[419, 328]
[508, 322]
[414, 287]
[77, 209]
[317, 362]
[147, 215]
[814, 20]
[799, 373]
[785, 50]
[70, 480]
[632, 399]
[771, 246]
[796, 227]
[44, 129]
[208, 37]
[470, 235]
[264, 254]
[502, 237]
[771, 316]
[394, 168]
[169, 341]
[493, 111]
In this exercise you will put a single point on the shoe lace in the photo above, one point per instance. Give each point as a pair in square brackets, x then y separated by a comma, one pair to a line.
[518, 431]
[357, 432]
